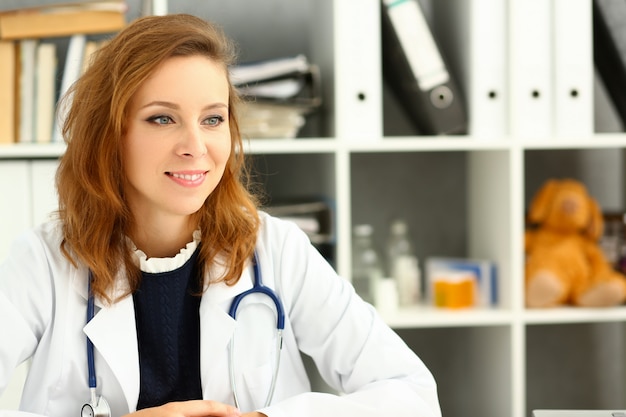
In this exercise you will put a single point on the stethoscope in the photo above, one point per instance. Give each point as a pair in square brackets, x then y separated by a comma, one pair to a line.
[99, 407]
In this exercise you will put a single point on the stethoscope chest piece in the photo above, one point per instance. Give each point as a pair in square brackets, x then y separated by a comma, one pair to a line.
[99, 408]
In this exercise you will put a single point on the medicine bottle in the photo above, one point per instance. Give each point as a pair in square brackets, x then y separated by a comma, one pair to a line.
[366, 265]
[402, 264]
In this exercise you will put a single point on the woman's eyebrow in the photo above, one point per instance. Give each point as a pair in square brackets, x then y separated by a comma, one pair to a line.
[175, 106]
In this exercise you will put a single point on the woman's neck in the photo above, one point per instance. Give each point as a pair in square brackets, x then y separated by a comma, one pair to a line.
[162, 240]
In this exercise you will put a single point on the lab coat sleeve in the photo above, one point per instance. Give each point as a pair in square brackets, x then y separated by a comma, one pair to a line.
[356, 353]
[24, 306]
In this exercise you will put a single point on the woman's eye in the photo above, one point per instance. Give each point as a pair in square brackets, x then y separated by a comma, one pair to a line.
[160, 120]
[214, 120]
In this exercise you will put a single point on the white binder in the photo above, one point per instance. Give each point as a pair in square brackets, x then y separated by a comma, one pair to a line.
[572, 77]
[356, 55]
[530, 68]
[474, 35]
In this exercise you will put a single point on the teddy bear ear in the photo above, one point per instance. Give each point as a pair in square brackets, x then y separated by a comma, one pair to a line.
[595, 228]
[541, 201]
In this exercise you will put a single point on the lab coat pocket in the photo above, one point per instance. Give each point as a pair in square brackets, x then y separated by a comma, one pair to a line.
[254, 352]
[258, 383]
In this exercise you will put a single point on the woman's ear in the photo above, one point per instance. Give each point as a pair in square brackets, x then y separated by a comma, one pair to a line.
[595, 227]
[541, 202]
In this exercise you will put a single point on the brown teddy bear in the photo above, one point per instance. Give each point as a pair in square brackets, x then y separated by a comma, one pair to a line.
[564, 262]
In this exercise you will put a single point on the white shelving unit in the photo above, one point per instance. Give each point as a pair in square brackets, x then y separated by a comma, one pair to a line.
[462, 196]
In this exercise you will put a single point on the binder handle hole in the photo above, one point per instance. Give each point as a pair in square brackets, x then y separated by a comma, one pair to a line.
[492, 94]
[535, 94]
[573, 93]
[361, 96]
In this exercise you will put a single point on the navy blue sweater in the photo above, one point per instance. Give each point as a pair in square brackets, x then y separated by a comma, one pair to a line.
[168, 335]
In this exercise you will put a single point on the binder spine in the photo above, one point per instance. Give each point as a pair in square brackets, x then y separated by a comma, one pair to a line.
[530, 67]
[357, 89]
[572, 76]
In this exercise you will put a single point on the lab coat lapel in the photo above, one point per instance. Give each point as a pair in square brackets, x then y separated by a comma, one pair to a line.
[216, 330]
[113, 333]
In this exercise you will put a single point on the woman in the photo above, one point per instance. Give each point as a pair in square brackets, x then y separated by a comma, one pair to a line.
[156, 224]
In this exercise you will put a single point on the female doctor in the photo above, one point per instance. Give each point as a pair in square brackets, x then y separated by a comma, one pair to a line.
[124, 304]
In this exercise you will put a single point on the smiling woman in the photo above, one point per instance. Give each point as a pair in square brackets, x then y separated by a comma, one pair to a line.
[156, 245]
[139, 77]
[176, 148]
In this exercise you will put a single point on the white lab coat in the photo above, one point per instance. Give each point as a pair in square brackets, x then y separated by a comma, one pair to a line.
[43, 312]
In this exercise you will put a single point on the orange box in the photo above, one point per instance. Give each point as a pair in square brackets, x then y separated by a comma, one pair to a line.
[454, 289]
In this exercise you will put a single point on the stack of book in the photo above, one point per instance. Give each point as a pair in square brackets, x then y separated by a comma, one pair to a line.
[29, 67]
[278, 95]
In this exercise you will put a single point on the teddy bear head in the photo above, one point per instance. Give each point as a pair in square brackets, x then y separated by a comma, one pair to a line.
[565, 206]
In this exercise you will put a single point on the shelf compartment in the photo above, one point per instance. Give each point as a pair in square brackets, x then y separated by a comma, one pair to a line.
[575, 366]
[456, 204]
[475, 358]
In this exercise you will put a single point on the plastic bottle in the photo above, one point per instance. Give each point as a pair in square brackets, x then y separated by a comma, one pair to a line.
[366, 267]
[402, 264]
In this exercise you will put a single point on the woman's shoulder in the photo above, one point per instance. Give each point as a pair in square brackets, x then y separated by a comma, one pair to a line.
[41, 243]
[49, 233]
[272, 225]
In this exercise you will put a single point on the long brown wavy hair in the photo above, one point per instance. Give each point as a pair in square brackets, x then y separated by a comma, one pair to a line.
[95, 215]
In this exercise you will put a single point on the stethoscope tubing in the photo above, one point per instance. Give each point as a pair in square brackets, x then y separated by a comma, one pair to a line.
[258, 288]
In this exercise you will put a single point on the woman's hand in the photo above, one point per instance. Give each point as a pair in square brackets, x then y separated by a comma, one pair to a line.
[194, 408]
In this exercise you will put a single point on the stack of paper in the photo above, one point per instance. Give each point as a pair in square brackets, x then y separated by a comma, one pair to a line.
[278, 94]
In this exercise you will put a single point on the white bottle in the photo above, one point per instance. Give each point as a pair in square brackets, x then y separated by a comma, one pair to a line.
[366, 268]
[402, 264]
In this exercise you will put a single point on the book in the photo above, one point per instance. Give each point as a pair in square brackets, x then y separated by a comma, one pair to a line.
[28, 65]
[473, 34]
[609, 50]
[45, 91]
[63, 20]
[72, 70]
[417, 72]
[8, 63]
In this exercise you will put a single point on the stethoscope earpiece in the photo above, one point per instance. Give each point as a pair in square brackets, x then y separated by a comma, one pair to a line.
[99, 409]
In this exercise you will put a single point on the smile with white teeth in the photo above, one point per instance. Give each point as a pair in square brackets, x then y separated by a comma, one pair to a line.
[187, 177]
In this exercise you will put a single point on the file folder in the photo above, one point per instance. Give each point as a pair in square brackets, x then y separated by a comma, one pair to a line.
[609, 49]
[530, 68]
[473, 34]
[417, 72]
[572, 76]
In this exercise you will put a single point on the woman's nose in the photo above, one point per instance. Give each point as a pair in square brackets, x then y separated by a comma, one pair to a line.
[192, 143]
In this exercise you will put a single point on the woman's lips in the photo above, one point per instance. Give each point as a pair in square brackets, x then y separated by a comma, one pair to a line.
[188, 178]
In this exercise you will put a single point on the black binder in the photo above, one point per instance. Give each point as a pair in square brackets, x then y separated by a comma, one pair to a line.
[419, 78]
[609, 49]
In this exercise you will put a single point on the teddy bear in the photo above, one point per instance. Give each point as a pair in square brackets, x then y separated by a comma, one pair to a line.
[564, 262]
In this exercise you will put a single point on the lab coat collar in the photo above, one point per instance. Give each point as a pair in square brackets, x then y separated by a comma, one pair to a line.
[113, 334]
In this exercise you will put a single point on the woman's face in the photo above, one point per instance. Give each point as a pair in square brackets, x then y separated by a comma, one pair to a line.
[178, 139]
